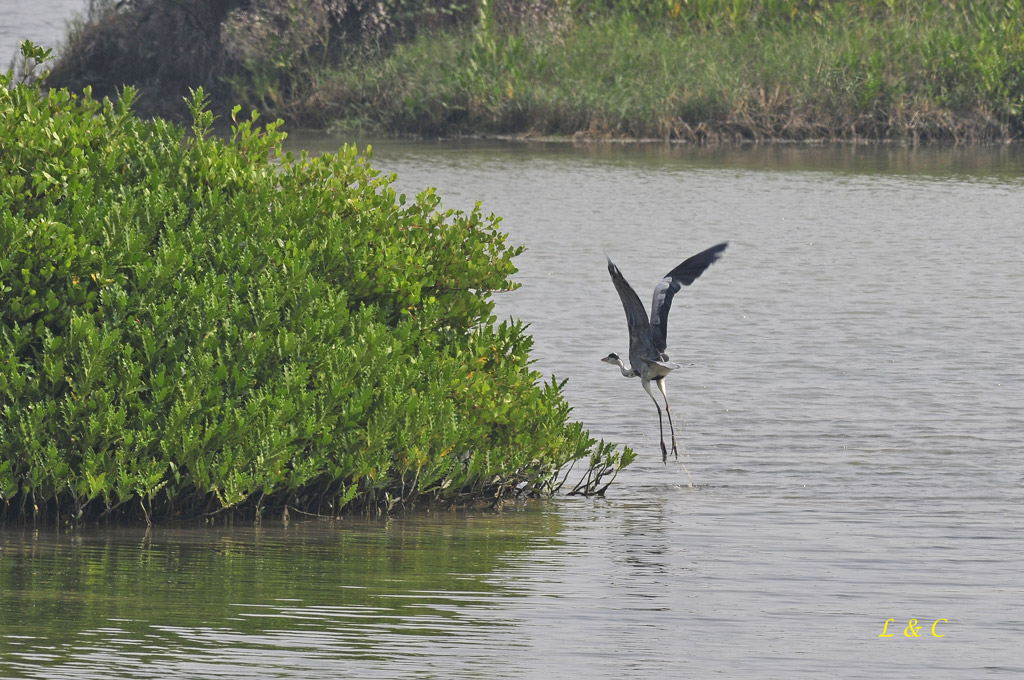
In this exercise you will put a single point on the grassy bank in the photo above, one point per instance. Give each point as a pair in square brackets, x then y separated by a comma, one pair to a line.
[191, 326]
[908, 75]
[677, 69]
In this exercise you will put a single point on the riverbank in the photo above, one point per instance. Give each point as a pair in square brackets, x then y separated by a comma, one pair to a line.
[711, 71]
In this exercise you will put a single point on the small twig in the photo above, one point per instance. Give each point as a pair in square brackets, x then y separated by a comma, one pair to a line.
[309, 514]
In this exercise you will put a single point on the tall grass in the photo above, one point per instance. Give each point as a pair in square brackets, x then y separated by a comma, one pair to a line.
[675, 69]
[919, 71]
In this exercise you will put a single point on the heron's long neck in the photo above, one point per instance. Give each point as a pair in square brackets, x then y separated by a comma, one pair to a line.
[627, 372]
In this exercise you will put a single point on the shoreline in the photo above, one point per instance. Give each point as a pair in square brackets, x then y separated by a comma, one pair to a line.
[584, 139]
[815, 73]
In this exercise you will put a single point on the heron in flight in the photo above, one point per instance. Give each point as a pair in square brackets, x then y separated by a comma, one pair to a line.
[647, 357]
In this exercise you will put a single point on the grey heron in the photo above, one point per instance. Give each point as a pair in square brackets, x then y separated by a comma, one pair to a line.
[647, 338]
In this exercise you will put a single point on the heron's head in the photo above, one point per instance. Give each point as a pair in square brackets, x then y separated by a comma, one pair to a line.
[612, 358]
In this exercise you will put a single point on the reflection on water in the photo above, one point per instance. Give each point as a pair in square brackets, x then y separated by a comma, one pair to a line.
[971, 163]
[354, 595]
[850, 409]
[678, 582]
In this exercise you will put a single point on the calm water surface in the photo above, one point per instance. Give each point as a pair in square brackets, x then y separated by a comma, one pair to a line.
[851, 419]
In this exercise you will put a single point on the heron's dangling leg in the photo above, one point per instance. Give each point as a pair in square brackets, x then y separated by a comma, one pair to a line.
[675, 445]
[661, 429]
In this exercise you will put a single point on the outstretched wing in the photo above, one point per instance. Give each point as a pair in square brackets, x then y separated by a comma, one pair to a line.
[683, 275]
[636, 315]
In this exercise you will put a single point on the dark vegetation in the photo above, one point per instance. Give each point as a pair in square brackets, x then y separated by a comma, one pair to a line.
[265, 52]
[192, 325]
[699, 70]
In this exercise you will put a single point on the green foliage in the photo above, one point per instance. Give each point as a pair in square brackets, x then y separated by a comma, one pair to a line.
[32, 56]
[706, 70]
[189, 324]
[675, 69]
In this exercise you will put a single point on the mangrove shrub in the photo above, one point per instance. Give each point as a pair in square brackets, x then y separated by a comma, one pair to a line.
[190, 324]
